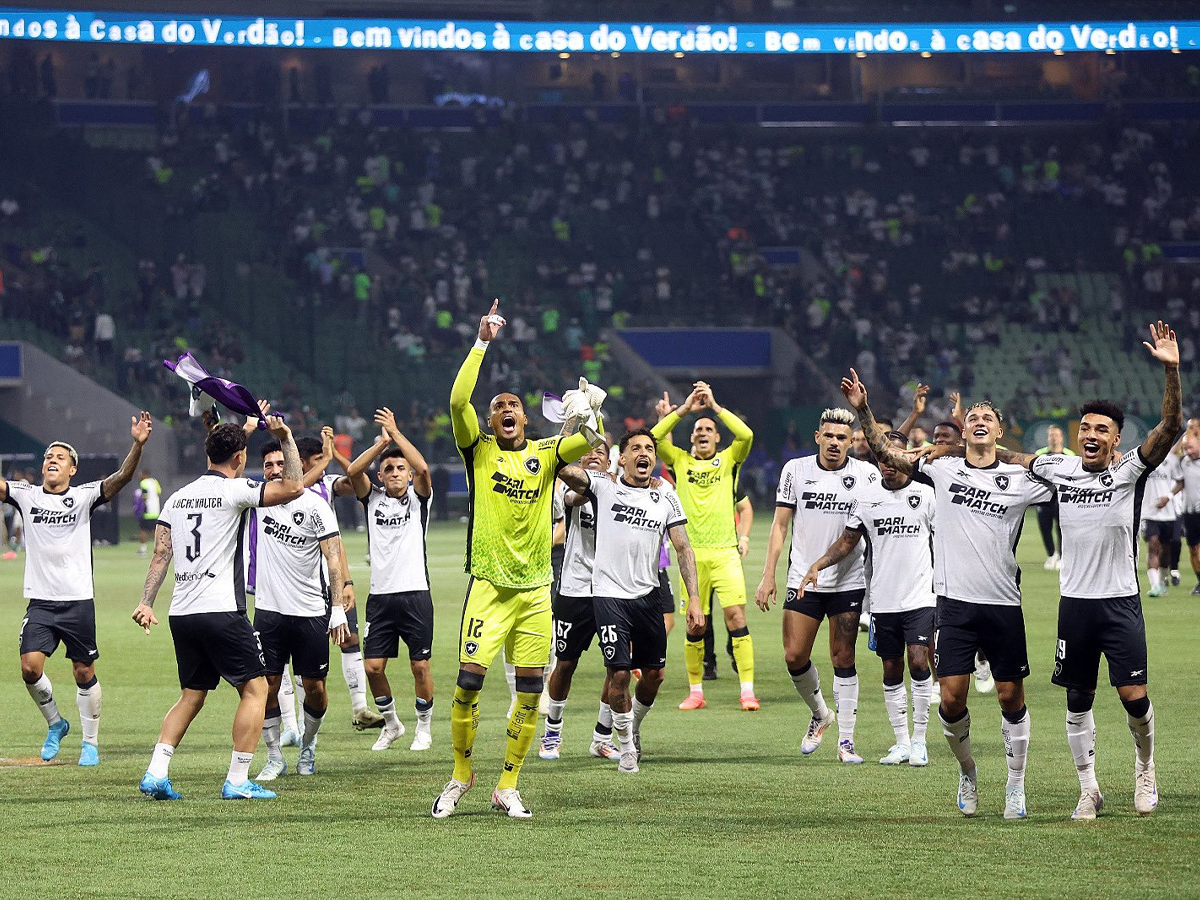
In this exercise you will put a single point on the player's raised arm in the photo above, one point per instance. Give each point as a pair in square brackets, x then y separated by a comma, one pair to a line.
[856, 395]
[918, 409]
[357, 470]
[322, 460]
[251, 423]
[140, 431]
[422, 483]
[291, 485]
[163, 552]
[686, 558]
[1162, 436]
[667, 451]
[838, 550]
[743, 437]
[463, 417]
[764, 595]
[576, 479]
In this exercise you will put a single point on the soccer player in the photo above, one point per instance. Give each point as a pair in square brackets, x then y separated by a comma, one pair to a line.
[150, 497]
[510, 481]
[1189, 484]
[947, 434]
[399, 606]
[201, 530]
[706, 481]
[1162, 522]
[980, 507]
[897, 526]
[291, 613]
[1100, 611]
[631, 519]
[1047, 513]
[815, 498]
[575, 619]
[58, 586]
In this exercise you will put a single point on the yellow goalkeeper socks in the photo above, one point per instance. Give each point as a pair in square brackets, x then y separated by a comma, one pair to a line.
[743, 654]
[693, 659]
[464, 722]
[522, 728]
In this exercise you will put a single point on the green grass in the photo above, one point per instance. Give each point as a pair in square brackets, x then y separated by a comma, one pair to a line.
[724, 805]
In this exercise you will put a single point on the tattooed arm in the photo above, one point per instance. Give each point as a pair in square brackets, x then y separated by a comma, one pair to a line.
[856, 395]
[163, 552]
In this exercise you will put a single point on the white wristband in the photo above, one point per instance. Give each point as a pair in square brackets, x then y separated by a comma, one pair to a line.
[337, 617]
[481, 344]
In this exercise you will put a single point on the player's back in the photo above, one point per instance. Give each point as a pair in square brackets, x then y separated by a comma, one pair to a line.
[207, 519]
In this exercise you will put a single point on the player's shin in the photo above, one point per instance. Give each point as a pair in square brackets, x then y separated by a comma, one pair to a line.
[1140, 715]
[270, 732]
[356, 679]
[845, 695]
[312, 724]
[87, 700]
[387, 708]
[807, 681]
[922, 691]
[743, 655]
[693, 660]
[1081, 738]
[957, 730]
[287, 701]
[895, 700]
[604, 723]
[1015, 729]
[42, 693]
[464, 723]
[522, 728]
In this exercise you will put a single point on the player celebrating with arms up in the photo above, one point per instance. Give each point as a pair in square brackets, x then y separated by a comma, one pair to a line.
[631, 518]
[1100, 610]
[707, 483]
[58, 582]
[980, 505]
[510, 482]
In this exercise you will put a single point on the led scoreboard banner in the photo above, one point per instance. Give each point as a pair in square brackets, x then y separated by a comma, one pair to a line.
[114, 27]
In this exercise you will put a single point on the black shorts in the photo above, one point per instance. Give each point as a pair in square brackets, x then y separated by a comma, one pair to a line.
[632, 632]
[666, 599]
[964, 628]
[407, 616]
[302, 640]
[146, 524]
[1191, 527]
[71, 622]
[819, 604]
[215, 645]
[574, 626]
[1167, 532]
[1086, 628]
[896, 631]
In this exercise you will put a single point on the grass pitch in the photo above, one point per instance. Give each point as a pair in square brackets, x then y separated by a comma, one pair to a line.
[724, 806]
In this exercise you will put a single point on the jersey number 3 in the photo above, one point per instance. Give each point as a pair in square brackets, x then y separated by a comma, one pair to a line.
[192, 551]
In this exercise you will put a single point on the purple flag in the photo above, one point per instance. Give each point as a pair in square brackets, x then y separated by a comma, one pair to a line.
[208, 390]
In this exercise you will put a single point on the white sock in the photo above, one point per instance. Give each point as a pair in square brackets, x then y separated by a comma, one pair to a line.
[604, 723]
[808, 686]
[510, 675]
[42, 693]
[639, 712]
[356, 680]
[87, 700]
[1081, 738]
[270, 732]
[312, 724]
[1155, 576]
[958, 736]
[554, 716]
[287, 700]
[921, 692]
[845, 695]
[160, 761]
[298, 690]
[895, 700]
[1016, 747]
[623, 730]
[387, 709]
[1143, 738]
[747, 687]
[424, 713]
[239, 767]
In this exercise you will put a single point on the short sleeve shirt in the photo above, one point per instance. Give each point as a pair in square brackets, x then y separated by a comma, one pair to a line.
[630, 525]
[58, 539]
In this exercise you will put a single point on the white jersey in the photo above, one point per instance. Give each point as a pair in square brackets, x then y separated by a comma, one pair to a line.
[207, 520]
[579, 554]
[396, 528]
[897, 527]
[1189, 474]
[1160, 483]
[324, 490]
[630, 525]
[823, 500]
[58, 539]
[1098, 519]
[979, 512]
[288, 577]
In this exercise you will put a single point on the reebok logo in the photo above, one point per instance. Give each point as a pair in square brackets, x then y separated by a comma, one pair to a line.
[1136, 672]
